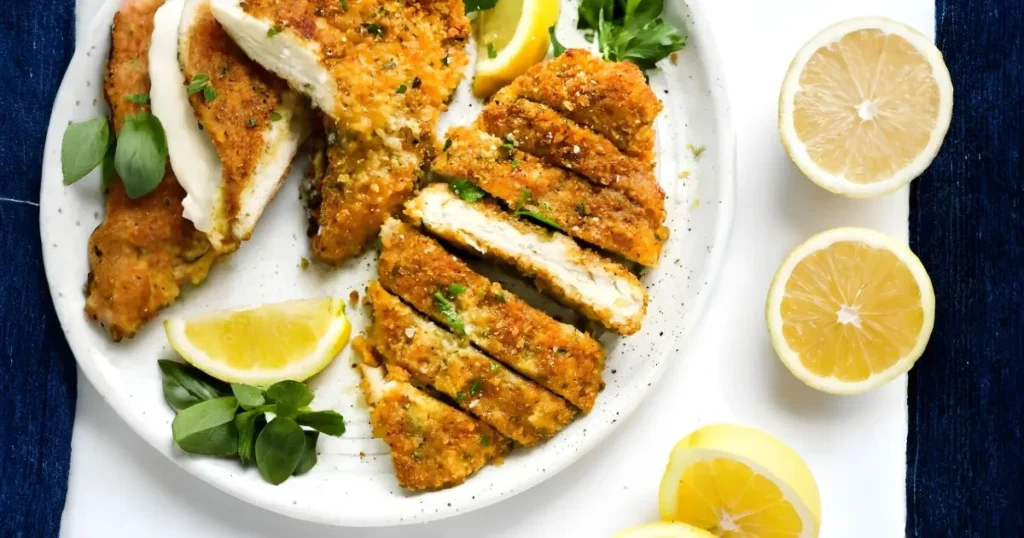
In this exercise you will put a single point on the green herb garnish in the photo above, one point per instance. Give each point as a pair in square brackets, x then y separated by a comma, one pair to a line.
[141, 155]
[631, 30]
[274, 30]
[447, 144]
[137, 98]
[455, 290]
[373, 28]
[83, 148]
[557, 49]
[451, 316]
[343, 4]
[274, 116]
[217, 420]
[492, 52]
[201, 83]
[479, 5]
[401, 89]
[466, 190]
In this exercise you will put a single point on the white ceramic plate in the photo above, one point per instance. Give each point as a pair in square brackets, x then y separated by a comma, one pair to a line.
[352, 484]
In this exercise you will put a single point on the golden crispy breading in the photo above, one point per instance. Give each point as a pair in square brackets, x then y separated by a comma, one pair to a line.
[145, 249]
[579, 278]
[239, 115]
[610, 98]
[555, 355]
[541, 131]
[601, 216]
[395, 64]
[516, 407]
[433, 446]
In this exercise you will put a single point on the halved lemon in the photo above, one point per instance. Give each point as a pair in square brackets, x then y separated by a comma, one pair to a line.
[662, 529]
[263, 345]
[738, 482]
[865, 106]
[512, 38]
[849, 310]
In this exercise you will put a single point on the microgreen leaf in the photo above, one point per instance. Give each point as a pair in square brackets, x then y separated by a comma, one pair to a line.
[326, 422]
[207, 428]
[279, 448]
[289, 396]
[83, 147]
[185, 386]
[308, 459]
[247, 395]
[249, 424]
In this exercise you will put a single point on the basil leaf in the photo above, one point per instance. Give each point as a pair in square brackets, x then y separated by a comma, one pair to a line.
[557, 49]
[449, 313]
[83, 147]
[308, 459]
[279, 448]
[466, 190]
[248, 396]
[141, 156]
[185, 386]
[249, 424]
[327, 422]
[289, 397]
[208, 427]
[479, 5]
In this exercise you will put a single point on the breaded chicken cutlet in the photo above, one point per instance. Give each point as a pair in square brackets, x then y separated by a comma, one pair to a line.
[519, 409]
[600, 289]
[541, 131]
[557, 356]
[145, 250]
[610, 98]
[382, 71]
[433, 445]
[601, 216]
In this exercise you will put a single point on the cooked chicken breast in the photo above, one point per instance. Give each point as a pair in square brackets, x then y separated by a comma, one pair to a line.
[611, 98]
[555, 355]
[433, 446]
[145, 250]
[383, 71]
[601, 216]
[598, 288]
[541, 131]
[231, 142]
[519, 409]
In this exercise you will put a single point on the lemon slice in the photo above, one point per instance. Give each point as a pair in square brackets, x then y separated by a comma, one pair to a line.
[263, 345]
[865, 106]
[738, 482]
[515, 33]
[849, 310]
[664, 530]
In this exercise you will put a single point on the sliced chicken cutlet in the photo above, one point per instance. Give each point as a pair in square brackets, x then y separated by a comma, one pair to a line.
[541, 131]
[232, 141]
[145, 250]
[611, 98]
[519, 409]
[557, 356]
[433, 445]
[601, 216]
[598, 288]
[382, 71]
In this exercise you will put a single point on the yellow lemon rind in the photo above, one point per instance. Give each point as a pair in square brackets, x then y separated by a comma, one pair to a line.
[664, 529]
[773, 309]
[529, 46]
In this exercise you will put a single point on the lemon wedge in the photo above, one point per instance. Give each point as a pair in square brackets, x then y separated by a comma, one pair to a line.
[512, 37]
[739, 482]
[849, 310]
[263, 345]
[865, 106]
[664, 530]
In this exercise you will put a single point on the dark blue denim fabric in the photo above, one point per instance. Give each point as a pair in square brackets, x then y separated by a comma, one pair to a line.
[37, 371]
[965, 460]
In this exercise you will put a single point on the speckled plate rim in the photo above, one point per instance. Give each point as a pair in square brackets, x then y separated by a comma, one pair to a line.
[699, 31]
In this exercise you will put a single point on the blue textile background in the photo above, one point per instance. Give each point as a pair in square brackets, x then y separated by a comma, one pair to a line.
[37, 371]
[965, 466]
[965, 475]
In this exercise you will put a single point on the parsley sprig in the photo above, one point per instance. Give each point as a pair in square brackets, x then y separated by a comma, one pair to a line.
[631, 30]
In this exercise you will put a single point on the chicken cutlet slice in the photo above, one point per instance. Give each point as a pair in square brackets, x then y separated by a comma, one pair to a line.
[231, 142]
[520, 409]
[541, 131]
[145, 250]
[433, 446]
[601, 216]
[598, 288]
[611, 98]
[383, 71]
[557, 356]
